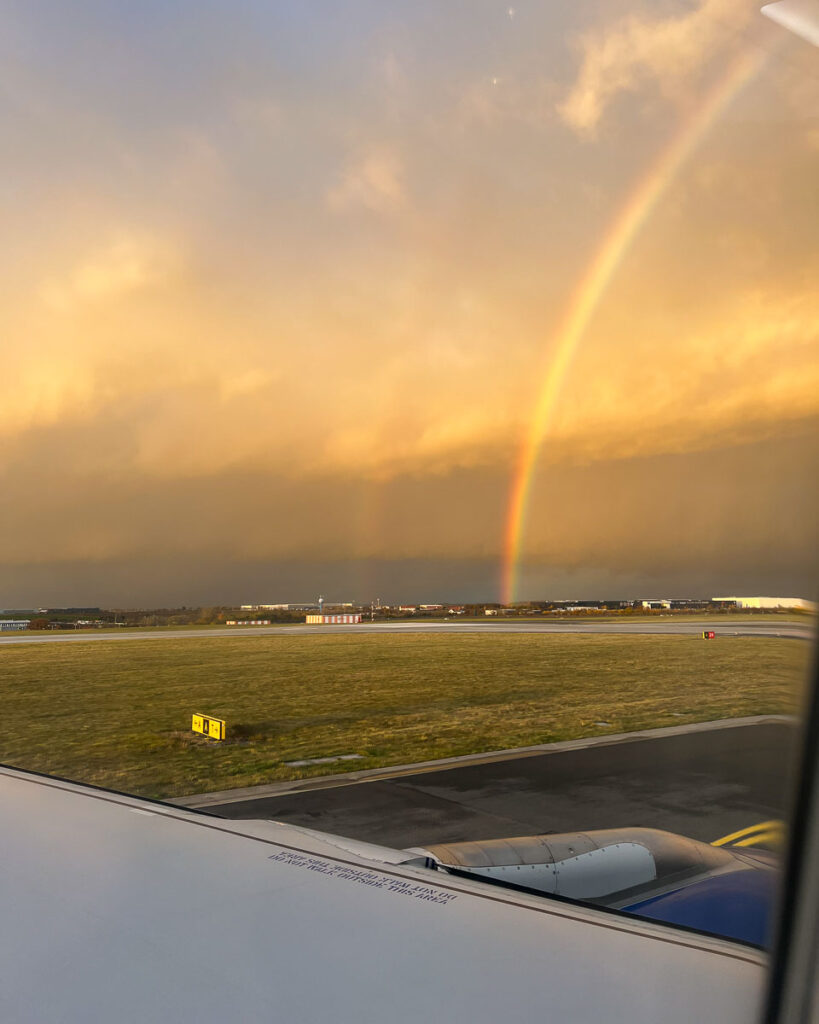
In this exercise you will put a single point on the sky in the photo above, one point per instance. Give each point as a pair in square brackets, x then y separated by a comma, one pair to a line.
[283, 286]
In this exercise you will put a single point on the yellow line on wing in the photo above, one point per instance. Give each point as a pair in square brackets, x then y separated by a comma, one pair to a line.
[773, 837]
[763, 826]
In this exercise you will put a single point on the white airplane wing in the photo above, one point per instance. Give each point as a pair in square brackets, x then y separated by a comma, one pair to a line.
[798, 16]
[116, 909]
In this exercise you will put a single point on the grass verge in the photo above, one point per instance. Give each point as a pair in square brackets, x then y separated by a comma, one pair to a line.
[118, 714]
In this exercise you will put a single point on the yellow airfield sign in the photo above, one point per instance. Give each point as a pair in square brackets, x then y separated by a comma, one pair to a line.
[213, 728]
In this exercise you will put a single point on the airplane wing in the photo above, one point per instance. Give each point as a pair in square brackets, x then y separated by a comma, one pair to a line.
[121, 909]
[798, 16]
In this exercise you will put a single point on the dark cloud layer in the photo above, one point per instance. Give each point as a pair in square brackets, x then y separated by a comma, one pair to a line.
[734, 518]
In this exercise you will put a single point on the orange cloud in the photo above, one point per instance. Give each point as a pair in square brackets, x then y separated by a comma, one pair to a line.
[638, 50]
[130, 261]
[374, 180]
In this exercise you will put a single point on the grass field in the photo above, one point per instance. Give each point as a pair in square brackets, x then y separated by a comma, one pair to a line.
[118, 714]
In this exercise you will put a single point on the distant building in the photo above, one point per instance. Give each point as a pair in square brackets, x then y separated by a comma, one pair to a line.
[9, 625]
[278, 607]
[654, 605]
[767, 602]
[348, 619]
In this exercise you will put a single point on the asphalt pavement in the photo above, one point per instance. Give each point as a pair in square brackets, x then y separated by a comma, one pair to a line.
[703, 782]
[668, 627]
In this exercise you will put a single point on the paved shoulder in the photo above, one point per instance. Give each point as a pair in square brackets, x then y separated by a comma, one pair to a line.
[703, 782]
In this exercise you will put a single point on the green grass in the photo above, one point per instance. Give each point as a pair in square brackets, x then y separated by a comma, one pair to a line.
[118, 714]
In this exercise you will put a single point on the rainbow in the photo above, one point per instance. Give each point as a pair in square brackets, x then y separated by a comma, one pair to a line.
[591, 288]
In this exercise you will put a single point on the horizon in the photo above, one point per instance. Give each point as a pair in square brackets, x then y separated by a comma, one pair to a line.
[294, 607]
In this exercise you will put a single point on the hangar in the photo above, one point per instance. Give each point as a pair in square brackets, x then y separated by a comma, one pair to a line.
[327, 620]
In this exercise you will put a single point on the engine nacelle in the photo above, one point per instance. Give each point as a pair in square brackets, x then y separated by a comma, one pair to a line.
[609, 866]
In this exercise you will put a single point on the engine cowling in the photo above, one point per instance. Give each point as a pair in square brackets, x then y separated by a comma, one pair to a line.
[611, 866]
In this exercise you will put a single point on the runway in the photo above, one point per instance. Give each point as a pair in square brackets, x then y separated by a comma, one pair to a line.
[781, 630]
[702, 782]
